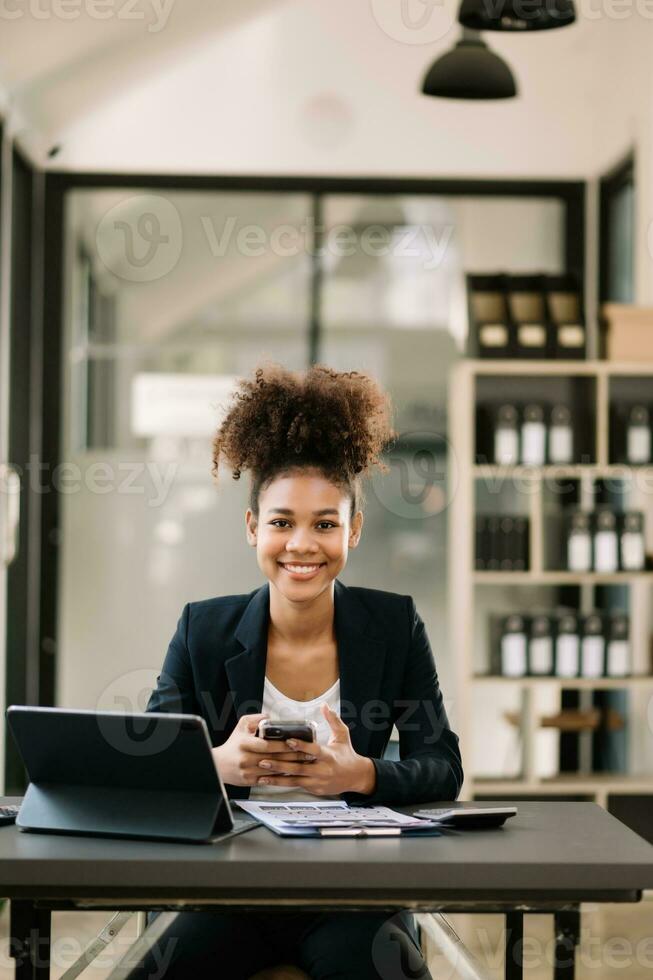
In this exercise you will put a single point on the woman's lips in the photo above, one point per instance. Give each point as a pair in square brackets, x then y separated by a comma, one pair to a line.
[301, 572]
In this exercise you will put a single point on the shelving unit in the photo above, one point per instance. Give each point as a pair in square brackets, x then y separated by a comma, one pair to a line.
[468, 587]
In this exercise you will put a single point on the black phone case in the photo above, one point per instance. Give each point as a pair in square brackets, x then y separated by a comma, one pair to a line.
[303, 733]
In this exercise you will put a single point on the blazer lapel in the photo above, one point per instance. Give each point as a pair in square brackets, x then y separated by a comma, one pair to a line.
[246, 671]
[361, 656]
[361, 659]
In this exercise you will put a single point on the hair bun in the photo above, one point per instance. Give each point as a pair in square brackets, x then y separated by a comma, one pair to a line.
[337, 421]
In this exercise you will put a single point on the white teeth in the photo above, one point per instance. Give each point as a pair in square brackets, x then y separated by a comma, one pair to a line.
[304, 569]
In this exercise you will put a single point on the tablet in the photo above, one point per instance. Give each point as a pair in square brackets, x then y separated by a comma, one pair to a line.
[469, 816]
[147, 775]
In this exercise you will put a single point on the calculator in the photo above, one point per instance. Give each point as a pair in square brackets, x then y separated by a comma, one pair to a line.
[469, 816]
[8, 814]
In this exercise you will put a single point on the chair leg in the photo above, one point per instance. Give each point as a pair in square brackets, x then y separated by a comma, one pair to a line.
[567, 935]
[439, 930]
[141, 946]
[115, 925]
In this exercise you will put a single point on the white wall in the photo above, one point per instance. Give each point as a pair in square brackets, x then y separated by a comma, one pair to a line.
[623, 121]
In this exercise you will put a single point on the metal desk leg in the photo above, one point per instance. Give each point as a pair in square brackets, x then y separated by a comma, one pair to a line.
[30, 940]
[514, 945]
[567, 935]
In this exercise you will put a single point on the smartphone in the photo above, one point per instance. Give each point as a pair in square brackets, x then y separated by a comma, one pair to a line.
[305, 731]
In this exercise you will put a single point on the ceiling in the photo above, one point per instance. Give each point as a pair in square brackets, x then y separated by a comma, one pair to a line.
[306, 86]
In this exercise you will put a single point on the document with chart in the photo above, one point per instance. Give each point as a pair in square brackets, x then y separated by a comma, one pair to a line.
[335, 818]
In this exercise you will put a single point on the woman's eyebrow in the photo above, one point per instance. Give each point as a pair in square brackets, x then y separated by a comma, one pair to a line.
[316, 513]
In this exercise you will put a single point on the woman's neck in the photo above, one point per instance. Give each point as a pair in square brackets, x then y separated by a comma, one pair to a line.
[302, 622]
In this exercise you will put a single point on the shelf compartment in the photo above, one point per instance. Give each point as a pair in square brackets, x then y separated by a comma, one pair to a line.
[623, 393]
[578, 393]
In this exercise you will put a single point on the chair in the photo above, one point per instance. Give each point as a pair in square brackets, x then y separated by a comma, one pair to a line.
[433, 927]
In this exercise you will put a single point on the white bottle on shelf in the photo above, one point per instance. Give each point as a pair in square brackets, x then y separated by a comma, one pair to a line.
[631, 542]
[592, 647]
[567, 657]
[579, 542]
[533, 436]
[638, 436]
[617, 654]
[506, 436]
[514, 643]
[561, 436]
[606, 542]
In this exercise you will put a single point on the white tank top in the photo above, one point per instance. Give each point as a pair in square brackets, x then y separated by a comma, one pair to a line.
[278, 707]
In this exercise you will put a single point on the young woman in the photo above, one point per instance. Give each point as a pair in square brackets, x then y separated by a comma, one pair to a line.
[356, 661]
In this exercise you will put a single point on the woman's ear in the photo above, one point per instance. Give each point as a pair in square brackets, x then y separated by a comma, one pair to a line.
[356, 529]
[251, 525]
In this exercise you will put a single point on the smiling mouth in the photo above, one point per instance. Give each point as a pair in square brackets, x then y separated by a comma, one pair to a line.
[297, 569]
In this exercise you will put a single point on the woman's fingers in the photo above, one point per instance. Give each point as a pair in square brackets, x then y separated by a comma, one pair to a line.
[276, 765]
[310, 748]
[284, 781]
[249, 723]
[266, 746]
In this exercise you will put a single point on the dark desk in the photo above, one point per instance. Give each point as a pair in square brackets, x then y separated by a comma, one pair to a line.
[549, 858]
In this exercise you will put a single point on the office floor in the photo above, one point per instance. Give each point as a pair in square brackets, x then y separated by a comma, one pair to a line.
[617, 943]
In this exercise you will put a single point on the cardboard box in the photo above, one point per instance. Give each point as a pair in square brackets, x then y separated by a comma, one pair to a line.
[628, 332]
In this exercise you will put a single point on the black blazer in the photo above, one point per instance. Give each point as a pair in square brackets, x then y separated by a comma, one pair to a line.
[215, 667]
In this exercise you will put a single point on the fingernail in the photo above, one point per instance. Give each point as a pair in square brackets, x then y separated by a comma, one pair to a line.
[292, 743]
[263, 780]
[265, 764]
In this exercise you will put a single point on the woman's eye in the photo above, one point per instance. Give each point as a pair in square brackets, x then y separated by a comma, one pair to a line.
[280, 522]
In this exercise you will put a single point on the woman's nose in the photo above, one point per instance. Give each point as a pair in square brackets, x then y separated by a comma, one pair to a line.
[301, 540]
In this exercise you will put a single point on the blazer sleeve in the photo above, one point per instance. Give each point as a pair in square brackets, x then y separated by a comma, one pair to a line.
[175, 686]
[430, 766]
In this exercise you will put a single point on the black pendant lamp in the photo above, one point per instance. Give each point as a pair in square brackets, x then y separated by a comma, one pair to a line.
[470, 71]
[516, 15]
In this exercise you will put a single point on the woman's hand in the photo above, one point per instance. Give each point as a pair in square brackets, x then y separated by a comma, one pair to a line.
[335, 769]
[238, 759]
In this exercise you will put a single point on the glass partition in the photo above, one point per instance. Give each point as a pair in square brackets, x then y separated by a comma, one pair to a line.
[168, 297]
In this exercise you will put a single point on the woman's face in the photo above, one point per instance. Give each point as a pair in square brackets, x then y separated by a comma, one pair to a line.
[303, 533]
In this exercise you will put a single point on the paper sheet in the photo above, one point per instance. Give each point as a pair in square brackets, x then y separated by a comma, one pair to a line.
[326, 817]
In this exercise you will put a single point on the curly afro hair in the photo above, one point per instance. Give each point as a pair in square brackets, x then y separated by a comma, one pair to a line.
[280, 421]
